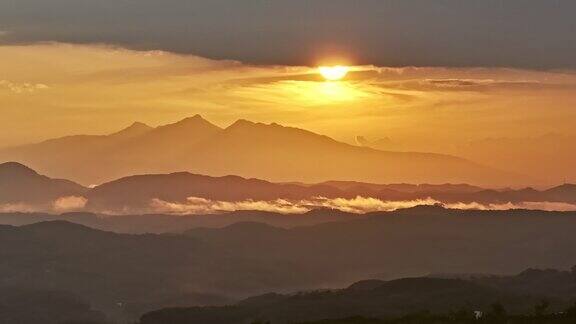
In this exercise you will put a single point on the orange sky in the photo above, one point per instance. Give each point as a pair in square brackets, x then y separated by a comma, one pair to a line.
[53, 90]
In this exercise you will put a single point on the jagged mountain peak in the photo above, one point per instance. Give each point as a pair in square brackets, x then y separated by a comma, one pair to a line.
[139, 125]
[244, 126]
[244, 123]
[196, 119]
[194, 122]
[241, 123]
[136, 129]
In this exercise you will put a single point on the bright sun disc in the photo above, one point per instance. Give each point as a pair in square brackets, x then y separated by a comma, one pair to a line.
[333, 73]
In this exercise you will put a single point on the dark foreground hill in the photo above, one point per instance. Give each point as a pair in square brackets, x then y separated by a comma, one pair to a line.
[392, 299]
[30, 306]
[160, 223]
[125, 275]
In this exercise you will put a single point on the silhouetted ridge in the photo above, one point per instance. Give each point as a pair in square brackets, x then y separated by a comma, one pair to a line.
[26, 188]
[194, 120]
[567, 187]
[425, 209]
[242, 123]
[254, 150]
[424, 285]
[134, 130]
[151, 272]
[384, 300]
[16, 169]
[241, 231]
[59, 225]
[369, 284]
[562, 193]
[275, 130]
[251, 227]
[191, 126]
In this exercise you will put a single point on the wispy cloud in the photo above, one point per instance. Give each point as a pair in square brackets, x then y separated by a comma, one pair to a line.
[195, 205]
[69, 203]
[18, 208]
[361, 205]
[20, 88]
[476, 83]
[202, 206]
[60, 205]
[534, 205]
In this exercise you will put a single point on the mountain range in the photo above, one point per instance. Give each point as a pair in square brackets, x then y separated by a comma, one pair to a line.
[549, 289]
[266, 151]
[162, 223]
[23, 189]
[22, 185]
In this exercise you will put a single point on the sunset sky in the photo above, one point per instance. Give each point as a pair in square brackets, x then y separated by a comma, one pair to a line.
[231, 161]
[528, 33]
[408, 89]
[100, 89]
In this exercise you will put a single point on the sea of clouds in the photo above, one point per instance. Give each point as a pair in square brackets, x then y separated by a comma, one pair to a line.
[201, 206]
[358, 205]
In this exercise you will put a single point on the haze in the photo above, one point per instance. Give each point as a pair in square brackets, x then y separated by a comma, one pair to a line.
[511, 119]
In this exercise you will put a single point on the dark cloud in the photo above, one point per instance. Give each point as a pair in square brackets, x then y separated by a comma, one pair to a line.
[529, 33]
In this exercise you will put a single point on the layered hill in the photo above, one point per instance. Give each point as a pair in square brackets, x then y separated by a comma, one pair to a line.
[32, 306]
[135, 194]
[23, 189]
[163, 223]
[266, 151]
[20, 185]
[379, 300]
[215, 266]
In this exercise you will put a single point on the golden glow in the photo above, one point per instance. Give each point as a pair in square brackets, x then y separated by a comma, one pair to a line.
[337, 91]
[396, 109]
[333, 73]
[294, 93]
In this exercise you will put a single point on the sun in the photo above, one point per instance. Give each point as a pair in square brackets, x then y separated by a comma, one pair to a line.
[333, 73]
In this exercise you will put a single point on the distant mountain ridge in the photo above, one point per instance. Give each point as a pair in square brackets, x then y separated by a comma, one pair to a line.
[136, 194]
[162, 223]
[20, 184]
[255, 150]
[134, 130]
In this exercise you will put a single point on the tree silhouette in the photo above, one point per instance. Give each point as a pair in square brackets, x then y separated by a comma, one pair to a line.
[541, 308]
[497, 314]
[571, 312]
